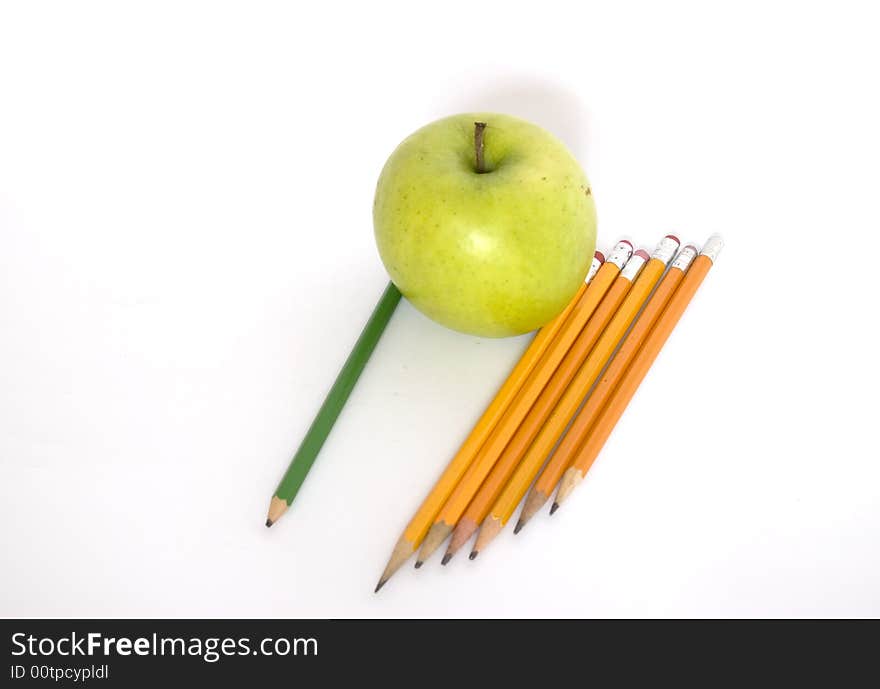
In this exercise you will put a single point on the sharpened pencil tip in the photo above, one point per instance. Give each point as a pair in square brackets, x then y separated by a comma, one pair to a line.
[269, 523]
[473, 555]
[380, 585]
[554, 507]
[446, 558]
[419, 563]
[519, 525]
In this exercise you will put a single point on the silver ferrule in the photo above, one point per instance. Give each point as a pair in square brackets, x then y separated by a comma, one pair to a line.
[685, 257]
[594, 268]
[633, 266]
[712, 247]
[665, 250]
[620, 254]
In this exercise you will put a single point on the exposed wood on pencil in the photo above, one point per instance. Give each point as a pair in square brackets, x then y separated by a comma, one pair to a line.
[570, 480]
[399, 555]
[277, 507]
[466, 528]
[438, 533]
[490, 529]
[536, 500]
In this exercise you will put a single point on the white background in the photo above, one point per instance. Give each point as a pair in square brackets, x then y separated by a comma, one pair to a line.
[186, 258]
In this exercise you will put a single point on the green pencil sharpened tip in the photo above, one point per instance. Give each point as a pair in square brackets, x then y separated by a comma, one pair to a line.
[446, 558]
[554, 507]
[519, 525]
[419, 563]
[473, 555]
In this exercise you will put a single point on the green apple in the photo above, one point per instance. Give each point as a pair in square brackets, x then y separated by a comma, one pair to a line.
[485, 222]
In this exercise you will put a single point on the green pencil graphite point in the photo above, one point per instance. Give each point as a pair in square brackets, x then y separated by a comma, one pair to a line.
[314, 439]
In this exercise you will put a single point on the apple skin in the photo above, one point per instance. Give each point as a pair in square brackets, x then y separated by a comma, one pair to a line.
[494, 254]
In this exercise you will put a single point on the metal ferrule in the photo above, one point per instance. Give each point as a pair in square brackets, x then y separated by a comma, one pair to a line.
[665, 250]
[633, 267]
[620, 254]
[594, 268]
[685, 257]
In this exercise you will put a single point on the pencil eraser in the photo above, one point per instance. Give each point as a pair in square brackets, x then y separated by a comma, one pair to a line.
[641, 253]
[598, 260]
[693, 248]
[625, 241]
[673, 238]
[713, 247]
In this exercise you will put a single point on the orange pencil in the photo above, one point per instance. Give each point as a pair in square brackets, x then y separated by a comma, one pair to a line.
[421, 521]
[467, 487]
[490, 489]
[638, 368]
[558, 419]
[580, 427]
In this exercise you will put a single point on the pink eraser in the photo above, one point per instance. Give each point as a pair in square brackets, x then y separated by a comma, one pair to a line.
[673, 238]
[600, 256]
[691, 246]
[626, 241]
[643, 254]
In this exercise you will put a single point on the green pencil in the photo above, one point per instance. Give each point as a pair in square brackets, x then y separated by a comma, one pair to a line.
[334, 402]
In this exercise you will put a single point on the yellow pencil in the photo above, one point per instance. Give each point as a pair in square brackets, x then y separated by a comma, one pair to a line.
[604, 283]
[582, 425]
[574, 394]
[638, 368]
[418, 526]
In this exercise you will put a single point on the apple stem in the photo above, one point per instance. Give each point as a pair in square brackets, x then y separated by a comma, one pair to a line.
[478, 145]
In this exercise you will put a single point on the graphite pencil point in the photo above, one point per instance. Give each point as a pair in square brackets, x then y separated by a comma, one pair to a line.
[380, 585]
[399, 555]
[419, 563]
[277, 508]
[446, 558]
[554, 507]
[438, 533]
[473, 555]
[519, 525]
